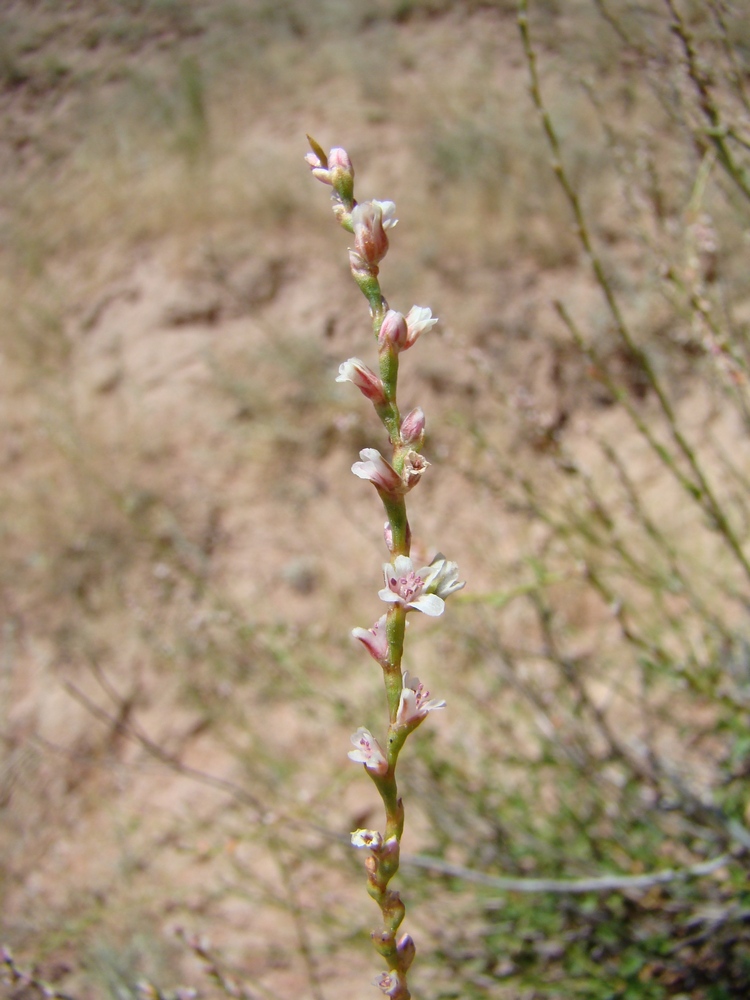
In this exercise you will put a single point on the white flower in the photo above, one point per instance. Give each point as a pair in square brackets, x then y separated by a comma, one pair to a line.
[413, 705]
[367, 838]
[388, 212]
[418, 319]
[406, 587]
[368, 751]
[442, 577]
[389, 983]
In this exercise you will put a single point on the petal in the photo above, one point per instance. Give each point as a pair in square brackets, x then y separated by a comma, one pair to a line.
[367, 838]
[402, 566]
[429, 604]
[388, 210]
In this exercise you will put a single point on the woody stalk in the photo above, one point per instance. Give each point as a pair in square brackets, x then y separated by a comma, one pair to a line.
[405, 589]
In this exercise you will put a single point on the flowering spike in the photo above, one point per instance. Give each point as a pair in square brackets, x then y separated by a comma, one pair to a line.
[405, 588]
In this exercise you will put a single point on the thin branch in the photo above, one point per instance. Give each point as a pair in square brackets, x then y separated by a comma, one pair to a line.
[716, 131]
[697, 485]
[599, 883]
[202, 950]
[128, 729]
[11, 974]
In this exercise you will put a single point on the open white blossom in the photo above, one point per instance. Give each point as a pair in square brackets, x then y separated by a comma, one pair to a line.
[367, 838]
[413, 704]
[368, 751]
[442, 577]
[405, 586]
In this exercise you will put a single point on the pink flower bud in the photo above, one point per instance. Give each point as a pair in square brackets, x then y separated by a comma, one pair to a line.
[364, 378]
[370, 221]
[375, 468]
[319, 168]
[374, 640]
[338, 159]
[412, 427]
[406, 950]
[333, 169]
[390, 848]
[393, 331]
[388, 536]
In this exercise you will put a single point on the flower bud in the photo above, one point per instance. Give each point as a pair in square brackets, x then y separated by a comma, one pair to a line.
[342, 175]
[375, 468]
[338, 159]
[388, 536]
[390, 848]
[412, 427]
[369, 222]
[319, 168]
[374, 640]
[406, 950]
[393, 331]
[364, 378]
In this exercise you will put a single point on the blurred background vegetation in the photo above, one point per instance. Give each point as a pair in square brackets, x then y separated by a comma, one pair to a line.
[184, 554]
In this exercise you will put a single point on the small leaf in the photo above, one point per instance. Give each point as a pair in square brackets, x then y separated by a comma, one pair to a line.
[318, 150]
